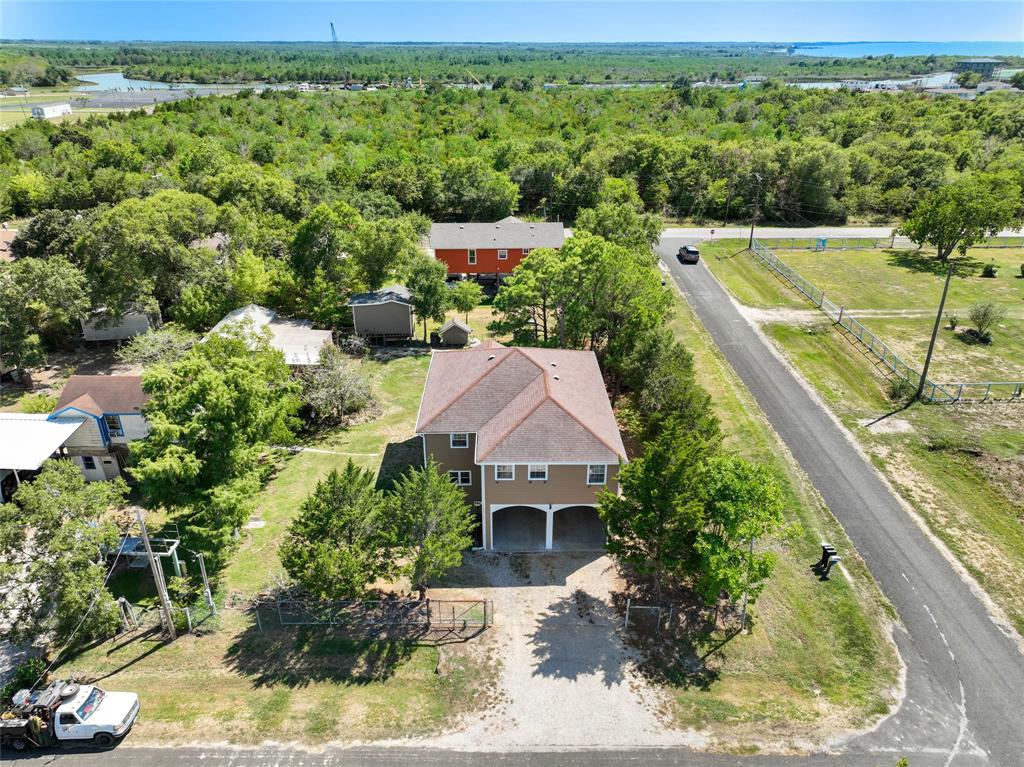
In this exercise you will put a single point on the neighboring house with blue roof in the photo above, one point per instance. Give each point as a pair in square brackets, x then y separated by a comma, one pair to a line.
[110, 411]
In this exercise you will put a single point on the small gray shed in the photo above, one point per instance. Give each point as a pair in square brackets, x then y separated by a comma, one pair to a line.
[455, 333]
[383, 315]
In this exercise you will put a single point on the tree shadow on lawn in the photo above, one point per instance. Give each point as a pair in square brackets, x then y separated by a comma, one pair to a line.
[577, 636]
[927, 263]
[398, 458]
[298, 656]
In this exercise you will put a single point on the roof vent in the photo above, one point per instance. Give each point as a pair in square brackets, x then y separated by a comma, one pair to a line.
[532, 226]
[490, 357]
[554, 364]
[557, 378]
[461, 226]
[497, 226]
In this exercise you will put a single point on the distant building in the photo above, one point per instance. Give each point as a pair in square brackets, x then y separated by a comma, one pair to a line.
[98, 326]
[108, 410]
[304, 87]
[296, 339]
[491, 249]
[454, 333]
[984, 67]
[50, 111]
[383, 315]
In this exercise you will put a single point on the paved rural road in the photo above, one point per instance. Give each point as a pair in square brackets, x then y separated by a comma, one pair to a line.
[788, 232]
[954, 651]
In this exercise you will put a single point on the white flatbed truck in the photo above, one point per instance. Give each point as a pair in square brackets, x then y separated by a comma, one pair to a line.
[67, 713]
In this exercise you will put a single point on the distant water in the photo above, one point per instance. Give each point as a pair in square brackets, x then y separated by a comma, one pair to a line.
[116, 81]
[858, 50]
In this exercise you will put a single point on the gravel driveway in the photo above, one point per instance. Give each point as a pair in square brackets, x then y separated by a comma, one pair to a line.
[567, 679]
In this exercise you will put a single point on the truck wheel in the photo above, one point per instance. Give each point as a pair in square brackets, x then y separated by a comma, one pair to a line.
[19, 744]
[103, 739]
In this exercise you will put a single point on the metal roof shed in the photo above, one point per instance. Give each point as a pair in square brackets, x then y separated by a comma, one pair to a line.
[26, 440]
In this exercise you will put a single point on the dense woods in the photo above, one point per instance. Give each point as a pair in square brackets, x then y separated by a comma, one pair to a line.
[314, 196]
[529, 64]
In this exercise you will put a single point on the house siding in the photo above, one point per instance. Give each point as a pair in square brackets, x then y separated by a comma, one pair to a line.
[134, 427]
[455, 336]
[565, 484]
[487, 262]
[88, 436]
[131, 324]
[387, 319]
[438, 448]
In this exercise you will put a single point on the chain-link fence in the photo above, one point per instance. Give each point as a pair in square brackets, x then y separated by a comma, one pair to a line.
[887, 359]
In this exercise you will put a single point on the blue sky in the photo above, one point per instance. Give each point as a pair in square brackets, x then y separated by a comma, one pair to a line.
[526, 20]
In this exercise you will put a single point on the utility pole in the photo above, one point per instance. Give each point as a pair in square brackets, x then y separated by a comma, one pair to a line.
[158, 579]
[757, 210]
[206, 584]
[935, 333]
[743, 617]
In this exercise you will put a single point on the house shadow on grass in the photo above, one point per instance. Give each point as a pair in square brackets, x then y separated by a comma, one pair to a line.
[927, 263]
[398, 458]
[298, 656]
[577, 636]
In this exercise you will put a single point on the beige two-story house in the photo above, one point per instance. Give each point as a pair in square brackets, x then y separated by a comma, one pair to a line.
[529, 434]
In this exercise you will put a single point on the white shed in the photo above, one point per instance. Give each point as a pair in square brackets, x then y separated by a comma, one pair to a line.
[99, 327]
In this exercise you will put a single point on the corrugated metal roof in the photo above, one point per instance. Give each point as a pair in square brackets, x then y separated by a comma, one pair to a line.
[28, 440]
[501, 234]
[296, 339]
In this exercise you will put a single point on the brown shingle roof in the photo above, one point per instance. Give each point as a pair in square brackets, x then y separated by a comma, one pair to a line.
[524, 404]
[111, 394]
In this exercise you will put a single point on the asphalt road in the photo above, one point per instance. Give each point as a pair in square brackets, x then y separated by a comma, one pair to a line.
[953, 649]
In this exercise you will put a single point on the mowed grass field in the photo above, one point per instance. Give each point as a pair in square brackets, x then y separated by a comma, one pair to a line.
[961, 467]
[797, 675]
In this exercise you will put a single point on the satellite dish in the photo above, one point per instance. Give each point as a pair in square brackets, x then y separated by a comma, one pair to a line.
[69, 691]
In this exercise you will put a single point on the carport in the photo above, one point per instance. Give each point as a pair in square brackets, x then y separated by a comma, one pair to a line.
[546, 527]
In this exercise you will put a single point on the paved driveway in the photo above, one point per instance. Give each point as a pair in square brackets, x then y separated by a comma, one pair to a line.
[969, 673]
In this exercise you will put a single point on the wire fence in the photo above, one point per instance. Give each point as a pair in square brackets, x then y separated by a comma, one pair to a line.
[888, 360]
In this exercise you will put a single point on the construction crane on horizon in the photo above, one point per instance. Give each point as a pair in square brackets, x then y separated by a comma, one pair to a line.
[334, 36]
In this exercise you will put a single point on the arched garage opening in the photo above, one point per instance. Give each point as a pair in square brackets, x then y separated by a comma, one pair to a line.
[519, 528]
[577, 528]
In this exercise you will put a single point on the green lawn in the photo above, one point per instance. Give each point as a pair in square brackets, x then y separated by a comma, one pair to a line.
[239, 684]
[794, 674]
[960, 467]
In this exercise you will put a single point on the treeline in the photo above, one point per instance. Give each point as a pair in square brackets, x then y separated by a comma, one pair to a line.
[31, 68]
[316, 196]
[538, 63]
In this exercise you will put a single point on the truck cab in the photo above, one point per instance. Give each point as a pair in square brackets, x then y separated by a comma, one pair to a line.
[63, 712]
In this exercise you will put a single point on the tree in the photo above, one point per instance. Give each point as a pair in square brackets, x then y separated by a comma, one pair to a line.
[40, 302]
[164, 345]
[466, 296]
[1017, 80]
[428, 291]
[51, 232]
[621, 224]
[531, 296]
[654, 520]
[211, 414]
[432, 524]
[334, 388]
[743, 503]
[475, 192]
[962, 213]
[341, 540]
[984, 317]
[382, 248]
[969, 80]
[52, 569]
[668, 390]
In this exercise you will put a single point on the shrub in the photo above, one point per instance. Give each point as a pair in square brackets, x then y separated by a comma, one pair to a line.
[900, 390]
[25, 675]
[1022, 271]
[989, 270]
[984, 317]
[38, 403]
[354, 345]
[953, 319]
[334, 388]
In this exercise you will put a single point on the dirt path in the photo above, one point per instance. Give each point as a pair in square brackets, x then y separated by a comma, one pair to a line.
[567, 679]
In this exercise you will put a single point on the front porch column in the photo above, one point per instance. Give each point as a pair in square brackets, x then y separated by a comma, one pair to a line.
[549, 527]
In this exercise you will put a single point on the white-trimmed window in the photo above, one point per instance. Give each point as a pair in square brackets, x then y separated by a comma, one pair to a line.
[526, 251]
[461, 477]
[503, 255]
[458, 439]
[504, 472]
[537, 472]
[472, 257]
[597, 474]
[88, 462]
